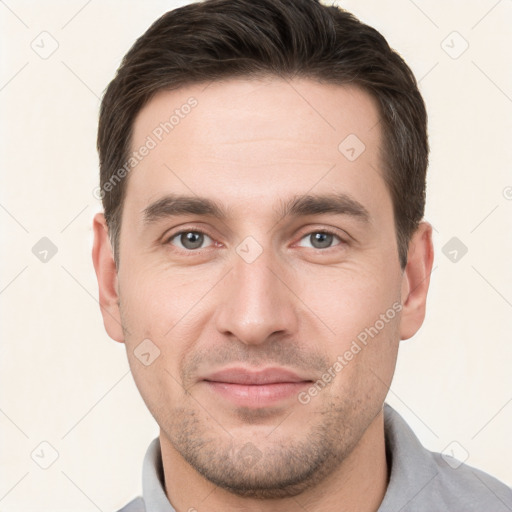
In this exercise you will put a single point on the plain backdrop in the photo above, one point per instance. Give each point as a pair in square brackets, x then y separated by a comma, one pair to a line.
[65, 384]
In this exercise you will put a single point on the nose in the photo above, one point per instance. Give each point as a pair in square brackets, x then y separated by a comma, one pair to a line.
[257, 302]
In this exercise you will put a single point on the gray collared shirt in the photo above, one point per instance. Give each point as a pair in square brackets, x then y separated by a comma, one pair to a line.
[420, 480]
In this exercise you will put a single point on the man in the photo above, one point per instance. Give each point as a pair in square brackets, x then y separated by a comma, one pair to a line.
[261, 255]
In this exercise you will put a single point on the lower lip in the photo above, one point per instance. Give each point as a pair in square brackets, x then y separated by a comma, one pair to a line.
[257, 395]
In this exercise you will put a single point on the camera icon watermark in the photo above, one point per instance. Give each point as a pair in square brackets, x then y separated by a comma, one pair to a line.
[249, 249]
[249, 455]
[44, 455]
[454, 249]
[44, 250]
[146, 352]
[454, 45]
[45, 45]
[455, 454]
[351, 147]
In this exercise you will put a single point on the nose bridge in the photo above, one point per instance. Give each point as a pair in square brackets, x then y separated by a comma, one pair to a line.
[255, 302]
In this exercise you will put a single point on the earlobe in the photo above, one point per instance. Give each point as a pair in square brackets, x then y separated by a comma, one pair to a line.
[416, 280]
[106, 274]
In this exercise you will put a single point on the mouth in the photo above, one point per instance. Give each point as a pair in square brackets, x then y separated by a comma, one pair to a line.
[256, 388]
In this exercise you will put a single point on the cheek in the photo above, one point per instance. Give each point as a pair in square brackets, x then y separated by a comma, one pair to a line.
[362, 308]
[158, 385]
[158, 311]
[350, 300]
[363, 361]
[168, 307]
[155, 301]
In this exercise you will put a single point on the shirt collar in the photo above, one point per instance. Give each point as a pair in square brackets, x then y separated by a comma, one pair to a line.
[411, 466]
[153, 487]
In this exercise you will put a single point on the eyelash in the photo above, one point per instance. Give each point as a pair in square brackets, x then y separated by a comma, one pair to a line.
[309, 233]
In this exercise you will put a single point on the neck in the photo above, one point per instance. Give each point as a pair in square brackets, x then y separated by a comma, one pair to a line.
[358, 483]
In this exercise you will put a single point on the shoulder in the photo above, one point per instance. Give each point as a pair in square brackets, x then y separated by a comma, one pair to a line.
[426, 481]
[136, 505]
[463, 487]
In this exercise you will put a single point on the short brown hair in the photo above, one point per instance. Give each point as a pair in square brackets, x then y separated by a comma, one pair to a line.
[218, 39]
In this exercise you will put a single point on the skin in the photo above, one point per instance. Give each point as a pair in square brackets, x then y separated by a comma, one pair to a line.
[250, 145]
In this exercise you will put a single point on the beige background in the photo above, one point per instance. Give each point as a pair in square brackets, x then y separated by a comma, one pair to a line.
[65, 382]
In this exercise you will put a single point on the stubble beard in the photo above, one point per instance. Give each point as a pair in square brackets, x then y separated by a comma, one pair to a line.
[277, 466]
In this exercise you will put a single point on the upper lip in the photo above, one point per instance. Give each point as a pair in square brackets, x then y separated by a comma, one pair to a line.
[255, 376]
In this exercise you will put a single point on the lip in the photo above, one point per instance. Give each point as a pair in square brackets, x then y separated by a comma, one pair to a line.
[255, 377]
[256, 388]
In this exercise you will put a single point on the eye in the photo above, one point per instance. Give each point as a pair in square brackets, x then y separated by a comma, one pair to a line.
[189, 240]
[320, 239]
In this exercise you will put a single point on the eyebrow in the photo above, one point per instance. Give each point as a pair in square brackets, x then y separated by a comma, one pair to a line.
[299, 206]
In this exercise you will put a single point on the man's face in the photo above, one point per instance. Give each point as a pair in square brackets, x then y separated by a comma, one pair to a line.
[251, 311]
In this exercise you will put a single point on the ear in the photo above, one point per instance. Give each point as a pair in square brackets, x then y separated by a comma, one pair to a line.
[106, 274]
[416, 280]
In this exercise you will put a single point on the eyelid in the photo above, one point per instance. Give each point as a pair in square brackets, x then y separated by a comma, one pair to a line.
[185, 228]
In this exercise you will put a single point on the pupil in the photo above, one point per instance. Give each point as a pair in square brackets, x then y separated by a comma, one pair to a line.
[322, 240]
[192, 240]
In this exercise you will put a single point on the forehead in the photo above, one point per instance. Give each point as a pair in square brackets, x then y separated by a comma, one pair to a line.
[252, 140]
